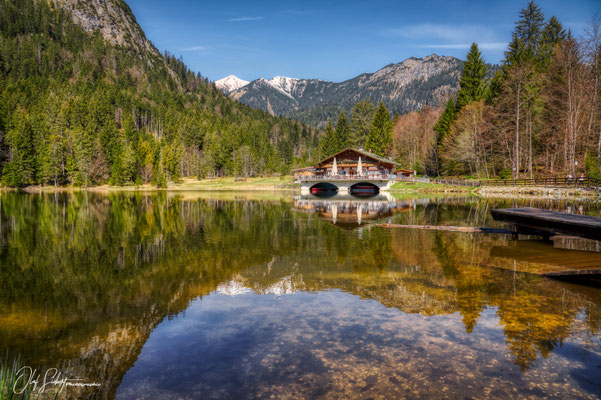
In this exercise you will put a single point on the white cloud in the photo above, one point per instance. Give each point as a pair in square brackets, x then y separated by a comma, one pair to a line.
[481, 46]
[194, 48]
[242, 19]
[446, 33]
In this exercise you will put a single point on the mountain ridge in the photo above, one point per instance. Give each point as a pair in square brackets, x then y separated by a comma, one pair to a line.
[403, 87]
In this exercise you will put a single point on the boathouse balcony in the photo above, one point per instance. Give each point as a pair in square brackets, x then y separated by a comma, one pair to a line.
[344, 177]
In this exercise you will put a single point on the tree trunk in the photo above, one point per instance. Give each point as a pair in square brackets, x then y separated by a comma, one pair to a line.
[516, 172]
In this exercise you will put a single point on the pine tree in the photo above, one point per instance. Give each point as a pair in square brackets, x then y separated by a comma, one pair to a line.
[442, 128]
[329, 142]
[361, 121]
[379, 140]
[472, 84]
[342, 132]
[447, 117]
[515, 50]
[83, 152]
[493, 89]
[552, 34]
[129, 165]
[529, 28]
[20, 170]
[52, 150]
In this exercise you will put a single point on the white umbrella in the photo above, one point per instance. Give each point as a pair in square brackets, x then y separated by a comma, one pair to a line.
[334, 168]
[359, 167]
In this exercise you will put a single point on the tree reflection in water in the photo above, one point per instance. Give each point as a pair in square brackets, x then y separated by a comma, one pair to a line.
[87, 277]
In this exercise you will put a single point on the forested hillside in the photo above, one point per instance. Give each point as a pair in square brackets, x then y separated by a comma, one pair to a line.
[76, 108]
[539, 116]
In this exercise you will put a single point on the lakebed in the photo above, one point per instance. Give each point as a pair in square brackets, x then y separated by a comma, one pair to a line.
[247, 294]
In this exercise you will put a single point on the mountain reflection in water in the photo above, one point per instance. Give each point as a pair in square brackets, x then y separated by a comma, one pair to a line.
[227, 296]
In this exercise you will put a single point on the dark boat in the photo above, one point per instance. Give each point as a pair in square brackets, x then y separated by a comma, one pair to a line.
[365, 189]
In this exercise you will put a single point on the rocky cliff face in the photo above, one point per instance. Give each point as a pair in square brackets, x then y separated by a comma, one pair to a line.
[403, 87]
[113, 19]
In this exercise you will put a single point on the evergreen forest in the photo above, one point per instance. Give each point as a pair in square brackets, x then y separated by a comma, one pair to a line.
[78, 110]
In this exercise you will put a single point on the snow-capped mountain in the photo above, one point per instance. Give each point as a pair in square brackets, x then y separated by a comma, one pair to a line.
[403, 87]
[230, 83]
[284, 84]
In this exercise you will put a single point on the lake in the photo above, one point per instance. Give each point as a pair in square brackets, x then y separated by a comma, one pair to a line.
[275, 295]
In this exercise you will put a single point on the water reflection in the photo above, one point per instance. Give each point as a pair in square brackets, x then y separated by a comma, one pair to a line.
[351, 211]
[167, 296]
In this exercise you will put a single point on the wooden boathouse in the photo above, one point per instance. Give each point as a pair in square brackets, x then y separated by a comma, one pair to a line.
[348, 171]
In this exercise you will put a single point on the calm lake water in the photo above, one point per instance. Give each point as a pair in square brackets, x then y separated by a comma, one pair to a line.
[266, 295]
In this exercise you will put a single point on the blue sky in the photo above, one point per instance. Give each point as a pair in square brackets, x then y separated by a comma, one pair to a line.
[333, 40]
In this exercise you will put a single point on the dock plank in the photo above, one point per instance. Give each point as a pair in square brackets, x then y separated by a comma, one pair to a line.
[552, 222]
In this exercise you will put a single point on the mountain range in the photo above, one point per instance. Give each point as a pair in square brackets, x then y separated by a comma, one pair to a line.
[403, 87]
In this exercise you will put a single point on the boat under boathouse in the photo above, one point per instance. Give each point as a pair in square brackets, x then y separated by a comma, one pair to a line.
[349, 171]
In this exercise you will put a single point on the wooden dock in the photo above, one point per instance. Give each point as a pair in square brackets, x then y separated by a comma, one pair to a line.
[547, 223]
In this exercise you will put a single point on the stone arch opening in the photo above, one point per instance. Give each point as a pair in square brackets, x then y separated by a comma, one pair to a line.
[364, 189]
[323, 189]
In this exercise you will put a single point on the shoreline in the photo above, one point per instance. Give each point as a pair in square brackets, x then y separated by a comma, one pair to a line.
[286, 184]
[536, 191]
[185, 184]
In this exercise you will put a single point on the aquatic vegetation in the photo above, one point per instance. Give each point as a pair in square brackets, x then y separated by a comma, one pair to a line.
[14, 383]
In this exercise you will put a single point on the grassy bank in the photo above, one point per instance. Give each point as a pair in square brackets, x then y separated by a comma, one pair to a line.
[213, 184]
[495, 191]
[418, 187]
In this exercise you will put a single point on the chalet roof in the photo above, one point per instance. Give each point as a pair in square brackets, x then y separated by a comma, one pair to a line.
[364, 153]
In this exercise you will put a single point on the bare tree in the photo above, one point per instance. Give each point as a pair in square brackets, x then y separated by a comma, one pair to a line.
[468, 146]
[569, 100]
[414, 137]
[516, 92]
[591, 46]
